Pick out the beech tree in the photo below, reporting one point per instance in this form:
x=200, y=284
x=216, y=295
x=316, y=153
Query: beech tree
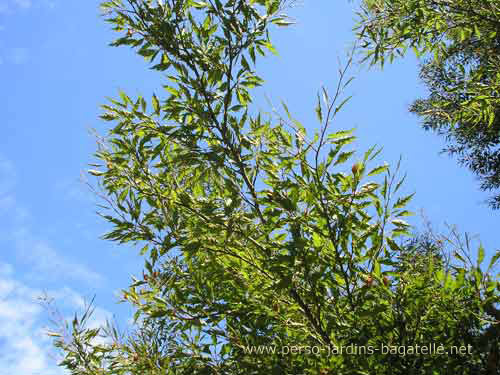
x=458, y=42
x=258, y=236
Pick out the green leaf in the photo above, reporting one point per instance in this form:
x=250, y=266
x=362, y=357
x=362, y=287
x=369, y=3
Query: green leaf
x=343, y=157
x=285, y=107
x=282, y=22
x=158, y=313
x=404, y=213
x=94, y=172
x=340, y=134
x=272, y=6
x=476, y=31
x=156, y=104
x=251, y=51
x=200, y=4
x=402, y=202
x=339, y=107
x=378, y=170
x=144, y=250
x=125, y=99
x=392, y=244
x=400, y=183
x=319, y=113
x=244, y=63
x=376, y=269
x=459, y=257
x=494, y=259
x=480, y=255
x=400, y=223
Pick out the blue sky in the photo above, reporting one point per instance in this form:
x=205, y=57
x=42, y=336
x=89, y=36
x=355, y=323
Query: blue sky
x=55, y=71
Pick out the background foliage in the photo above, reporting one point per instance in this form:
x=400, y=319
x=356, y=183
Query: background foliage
x=458, y=43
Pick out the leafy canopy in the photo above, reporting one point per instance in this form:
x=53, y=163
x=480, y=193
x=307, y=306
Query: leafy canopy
x=458, y=42
x=254, y=232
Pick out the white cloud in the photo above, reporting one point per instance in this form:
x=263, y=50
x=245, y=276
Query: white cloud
x=10, y=6
x=21, y=348
x=43, y=260
x=25, y=348
x=49, y=263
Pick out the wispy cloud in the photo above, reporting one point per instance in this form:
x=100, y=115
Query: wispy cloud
x=21, y=342
x=16, y=56
x=47, y=263
x=4, y=6
x=43, y=260
x=25, y=348
x=23, y=3
x=75, y=190
x=11, y=6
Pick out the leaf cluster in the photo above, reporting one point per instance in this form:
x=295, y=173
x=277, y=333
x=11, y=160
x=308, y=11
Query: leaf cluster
x=255, y=233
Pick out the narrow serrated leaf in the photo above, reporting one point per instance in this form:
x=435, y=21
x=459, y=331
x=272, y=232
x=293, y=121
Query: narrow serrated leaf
x=343, y=157
x=378, y=170
x=94, y=172
x=156, y=104
x=401, y=202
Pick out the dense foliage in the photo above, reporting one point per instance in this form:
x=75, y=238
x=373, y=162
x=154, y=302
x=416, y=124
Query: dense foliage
x=459, y=44
x=256, y=234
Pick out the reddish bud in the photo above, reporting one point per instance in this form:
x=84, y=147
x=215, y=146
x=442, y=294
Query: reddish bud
x=369, y=281
x=355, y=169
x=386, y=281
